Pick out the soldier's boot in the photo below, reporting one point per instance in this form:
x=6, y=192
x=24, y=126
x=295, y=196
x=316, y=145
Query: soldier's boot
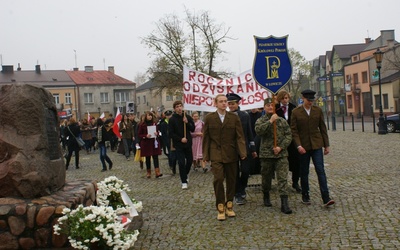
x=221, y=212
x=267, y=201
x=285, y=205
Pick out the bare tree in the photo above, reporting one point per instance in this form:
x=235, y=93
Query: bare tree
x=139, y=78
x=392, y=58
x=194, y=42
x=301, y=73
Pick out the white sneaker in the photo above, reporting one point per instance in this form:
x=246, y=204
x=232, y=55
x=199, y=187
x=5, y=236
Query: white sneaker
x=184, y=186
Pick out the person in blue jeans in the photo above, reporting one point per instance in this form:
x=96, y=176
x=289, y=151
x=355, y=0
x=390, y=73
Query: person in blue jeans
x=102, y=137
x=311, y=137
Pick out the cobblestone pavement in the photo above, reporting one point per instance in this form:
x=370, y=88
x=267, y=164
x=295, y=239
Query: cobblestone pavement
x=363, y=171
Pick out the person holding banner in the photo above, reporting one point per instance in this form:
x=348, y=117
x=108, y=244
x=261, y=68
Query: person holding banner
x=274, y=157
x=284, y=109
x=180, y=126
x=243, y=165
x=310, y=135
x=223, y=144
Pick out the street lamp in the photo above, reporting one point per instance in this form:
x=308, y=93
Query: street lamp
x=378, y=59
x=99, y=111
x=358, y=97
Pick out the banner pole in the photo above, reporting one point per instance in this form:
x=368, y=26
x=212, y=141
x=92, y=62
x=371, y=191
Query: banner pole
x=273, y=106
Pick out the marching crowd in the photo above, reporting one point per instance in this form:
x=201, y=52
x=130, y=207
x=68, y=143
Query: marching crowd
x=271, y=141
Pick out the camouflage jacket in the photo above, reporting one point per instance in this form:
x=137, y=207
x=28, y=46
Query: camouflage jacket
x=265, y=130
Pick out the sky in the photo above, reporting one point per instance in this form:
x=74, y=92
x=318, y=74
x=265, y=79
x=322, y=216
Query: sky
x=63, y=34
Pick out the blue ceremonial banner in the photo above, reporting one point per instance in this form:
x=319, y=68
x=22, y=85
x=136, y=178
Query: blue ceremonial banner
x=272, y=68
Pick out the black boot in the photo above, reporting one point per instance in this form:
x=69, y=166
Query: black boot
x=285, y=205
x=267, y=201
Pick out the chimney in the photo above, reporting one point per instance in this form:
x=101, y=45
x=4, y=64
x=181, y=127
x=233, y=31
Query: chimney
x=19, y=67
x=37, y=69
x=88, y=68
x=111, y=69
x=76, y=69
x=386, y=35
x=367, y=40
x=7, y=69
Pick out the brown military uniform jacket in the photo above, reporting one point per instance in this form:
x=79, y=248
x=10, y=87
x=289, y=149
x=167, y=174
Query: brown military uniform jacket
x=309, y=131
x=223, y=142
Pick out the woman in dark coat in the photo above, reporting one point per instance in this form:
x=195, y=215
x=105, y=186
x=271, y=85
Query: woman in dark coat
x=71, y=131
x=150, y=146
x=102, y=136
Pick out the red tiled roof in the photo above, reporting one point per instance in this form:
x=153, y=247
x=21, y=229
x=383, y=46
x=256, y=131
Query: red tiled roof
x=97, y=77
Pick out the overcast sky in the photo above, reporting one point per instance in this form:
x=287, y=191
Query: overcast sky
x=108, y=32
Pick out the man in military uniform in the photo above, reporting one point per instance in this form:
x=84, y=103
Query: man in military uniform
x=244, y=165
x=310, y=135
x=274, y=158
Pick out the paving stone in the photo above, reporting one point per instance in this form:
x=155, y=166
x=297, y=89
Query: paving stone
x=363, y=171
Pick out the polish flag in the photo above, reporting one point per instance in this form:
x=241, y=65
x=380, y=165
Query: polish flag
x=102, y=115
x=117, y=120
x=88, y=116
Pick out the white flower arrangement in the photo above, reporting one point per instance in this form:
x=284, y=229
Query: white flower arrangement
x=102, y=225
x=109, y=193
x=95, y=225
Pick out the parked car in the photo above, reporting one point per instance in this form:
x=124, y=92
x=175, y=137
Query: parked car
x=392, y=123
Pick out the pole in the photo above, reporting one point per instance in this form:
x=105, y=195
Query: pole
x=333, y=105
x=382, y=130
x=273, y=106
x=184, y=125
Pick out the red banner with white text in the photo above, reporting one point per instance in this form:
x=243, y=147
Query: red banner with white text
x=199, y=90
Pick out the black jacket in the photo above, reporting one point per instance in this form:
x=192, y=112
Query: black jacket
x=247, y=130
x=176, y=129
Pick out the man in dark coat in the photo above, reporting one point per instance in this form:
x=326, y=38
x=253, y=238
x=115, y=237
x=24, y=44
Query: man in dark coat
x=284, y=109
x=243, y=165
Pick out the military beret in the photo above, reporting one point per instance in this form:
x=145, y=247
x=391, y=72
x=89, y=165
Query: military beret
x=232, y=97
x=309, y=94
x=268, y=100
x=168, y=113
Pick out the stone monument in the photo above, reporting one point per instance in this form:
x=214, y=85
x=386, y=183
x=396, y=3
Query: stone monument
x=31, y=163
x=33, y=190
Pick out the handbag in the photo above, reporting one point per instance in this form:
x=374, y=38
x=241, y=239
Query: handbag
x=138, y=158
x=79, y=140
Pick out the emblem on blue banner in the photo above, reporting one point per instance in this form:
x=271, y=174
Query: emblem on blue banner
x=272, y=68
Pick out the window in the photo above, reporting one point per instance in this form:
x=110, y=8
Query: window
x=355, y=78
x=385, y=101
x=170, y=98
x=364, y=77
x=348, y=79
x=349, y=101
x=179, y=98
x=138, y=99
x=376, y=97
x=88, y=97
x=56, y=98
x=144, y=99
x=68, y=98
x=104, y=98
x=121, y=96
